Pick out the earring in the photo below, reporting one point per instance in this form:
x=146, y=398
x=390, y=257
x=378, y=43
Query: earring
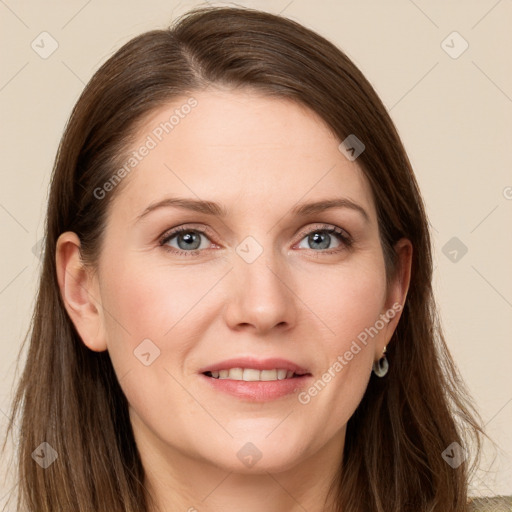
x=380, y=367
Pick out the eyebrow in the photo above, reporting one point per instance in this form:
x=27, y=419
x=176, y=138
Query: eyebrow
x=211, y=208
x=327, y=204
x=196, y=205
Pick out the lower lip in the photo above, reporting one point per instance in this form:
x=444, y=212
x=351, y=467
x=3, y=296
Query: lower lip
x=258, y=391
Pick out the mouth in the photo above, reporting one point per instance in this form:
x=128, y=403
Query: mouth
x=254, y=380
x=254, y=375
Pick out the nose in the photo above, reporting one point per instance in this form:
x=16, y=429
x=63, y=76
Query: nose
x=260, y=296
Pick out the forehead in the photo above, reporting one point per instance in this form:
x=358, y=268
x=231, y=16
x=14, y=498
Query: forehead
x=243, y=147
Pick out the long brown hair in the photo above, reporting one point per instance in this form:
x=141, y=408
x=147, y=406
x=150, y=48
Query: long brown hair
x=69, y=396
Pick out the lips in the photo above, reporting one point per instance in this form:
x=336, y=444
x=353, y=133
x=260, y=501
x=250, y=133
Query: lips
x=252, y=375
x=255, y=364
x=229, y=378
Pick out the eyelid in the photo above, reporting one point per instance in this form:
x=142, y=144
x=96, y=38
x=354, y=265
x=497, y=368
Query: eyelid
x=176, y=230
x=325, y=227
x=169, y=233
x=346, y=238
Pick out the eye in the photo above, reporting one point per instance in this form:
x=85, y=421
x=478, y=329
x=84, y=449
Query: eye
x=329, y=237
x=184, y=240
x=188, y=241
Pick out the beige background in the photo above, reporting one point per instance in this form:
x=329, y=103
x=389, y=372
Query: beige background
x=454, y=116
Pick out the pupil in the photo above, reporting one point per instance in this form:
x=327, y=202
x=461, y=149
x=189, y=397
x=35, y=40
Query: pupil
x=319, y=240
x=191, y=240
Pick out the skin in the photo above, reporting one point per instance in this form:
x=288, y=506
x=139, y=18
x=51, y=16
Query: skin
x=257, y=157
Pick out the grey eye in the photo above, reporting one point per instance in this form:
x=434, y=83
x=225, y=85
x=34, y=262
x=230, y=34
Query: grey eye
x=187, y=240
x=319, y=240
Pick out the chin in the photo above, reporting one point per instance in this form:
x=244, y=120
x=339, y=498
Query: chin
x=257, y=457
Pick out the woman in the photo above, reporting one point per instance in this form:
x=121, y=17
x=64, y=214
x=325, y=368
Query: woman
x=235, y=309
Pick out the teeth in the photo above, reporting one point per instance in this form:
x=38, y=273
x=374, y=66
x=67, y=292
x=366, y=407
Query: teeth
x=236, y=373
x=268, y=374
x=252, y=375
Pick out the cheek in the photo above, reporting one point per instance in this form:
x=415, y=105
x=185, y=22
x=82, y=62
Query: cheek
x=349, y=301
x=157, y=303
x=149, y=301
x=349, y=308
x=152, y=318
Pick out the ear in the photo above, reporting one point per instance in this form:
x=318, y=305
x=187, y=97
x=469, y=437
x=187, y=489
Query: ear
x=80, y=292
x=397, y=291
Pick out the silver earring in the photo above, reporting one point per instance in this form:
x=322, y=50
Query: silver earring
x=380, y=367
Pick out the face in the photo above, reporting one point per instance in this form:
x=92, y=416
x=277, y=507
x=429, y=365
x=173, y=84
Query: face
x=243, y=233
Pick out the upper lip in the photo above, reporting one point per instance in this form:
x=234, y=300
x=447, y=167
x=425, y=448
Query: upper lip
x=257, y=364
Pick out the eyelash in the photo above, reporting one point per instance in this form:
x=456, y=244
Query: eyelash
x=343, y=237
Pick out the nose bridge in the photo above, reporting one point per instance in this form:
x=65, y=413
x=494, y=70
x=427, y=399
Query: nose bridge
x=259, y=293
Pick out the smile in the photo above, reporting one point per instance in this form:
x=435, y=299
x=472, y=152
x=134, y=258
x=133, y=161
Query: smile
x=252, y=375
